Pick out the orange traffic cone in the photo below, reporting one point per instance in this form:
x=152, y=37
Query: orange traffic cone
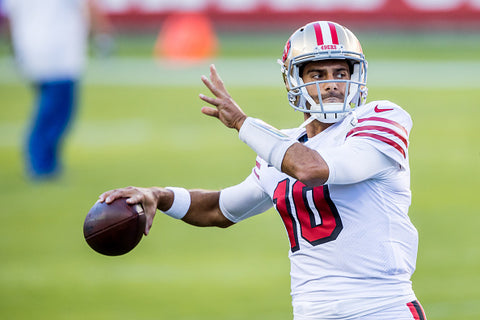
x=186, y=37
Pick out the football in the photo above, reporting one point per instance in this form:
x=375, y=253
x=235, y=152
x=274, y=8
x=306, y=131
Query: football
x=114, y=229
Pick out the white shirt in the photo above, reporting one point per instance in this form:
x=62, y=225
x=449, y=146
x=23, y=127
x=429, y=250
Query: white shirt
x=49, y=36
x=350, y=238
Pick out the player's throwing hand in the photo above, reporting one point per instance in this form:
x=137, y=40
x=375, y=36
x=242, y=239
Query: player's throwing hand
x=150, y=198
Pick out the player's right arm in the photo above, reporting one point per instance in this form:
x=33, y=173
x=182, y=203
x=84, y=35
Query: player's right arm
x=203, y=211
x=198, y=207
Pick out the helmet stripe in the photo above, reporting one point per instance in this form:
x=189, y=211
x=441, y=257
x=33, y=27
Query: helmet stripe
x=326, y=32
x=333, y=32
x=318, y=33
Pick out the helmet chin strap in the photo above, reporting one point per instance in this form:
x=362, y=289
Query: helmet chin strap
x=312, y=118
x=306, y=122
x=318, y=116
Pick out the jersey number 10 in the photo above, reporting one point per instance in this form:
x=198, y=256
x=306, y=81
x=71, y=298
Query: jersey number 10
x=309, y=209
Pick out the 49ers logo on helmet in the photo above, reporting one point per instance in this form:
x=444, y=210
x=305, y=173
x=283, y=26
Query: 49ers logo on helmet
x=331, y=47
x=286, y=50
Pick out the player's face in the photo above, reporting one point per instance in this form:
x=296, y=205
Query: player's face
x=332, y=92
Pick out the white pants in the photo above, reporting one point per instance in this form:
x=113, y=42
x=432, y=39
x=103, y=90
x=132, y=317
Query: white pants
x=353, y=310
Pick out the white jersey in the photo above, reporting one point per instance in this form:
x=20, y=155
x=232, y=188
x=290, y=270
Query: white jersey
x=49, y=36
x=348, y=239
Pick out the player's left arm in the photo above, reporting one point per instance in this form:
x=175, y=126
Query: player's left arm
x=224, y=107
x=379, y=142
x=284, y=153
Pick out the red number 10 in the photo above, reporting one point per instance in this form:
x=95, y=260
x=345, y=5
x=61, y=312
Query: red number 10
x=315, y=212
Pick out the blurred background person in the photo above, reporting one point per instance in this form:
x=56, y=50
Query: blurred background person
x=50, y=42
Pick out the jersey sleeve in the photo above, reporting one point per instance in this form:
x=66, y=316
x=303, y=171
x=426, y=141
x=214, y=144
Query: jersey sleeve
x=385, y=126
x=244, y=200
x=355, y=162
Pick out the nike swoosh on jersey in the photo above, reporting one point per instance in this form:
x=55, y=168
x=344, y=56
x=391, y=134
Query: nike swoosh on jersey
x=378, y=110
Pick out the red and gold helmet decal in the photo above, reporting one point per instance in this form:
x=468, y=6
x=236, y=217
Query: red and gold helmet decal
x=286, y=50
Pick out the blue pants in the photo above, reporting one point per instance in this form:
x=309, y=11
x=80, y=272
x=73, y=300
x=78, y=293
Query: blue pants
x=55, y=103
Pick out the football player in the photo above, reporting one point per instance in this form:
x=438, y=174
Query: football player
x=50, y=39
x=340, y=182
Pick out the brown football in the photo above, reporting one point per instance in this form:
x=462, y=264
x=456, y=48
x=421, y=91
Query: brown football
x=114, y=229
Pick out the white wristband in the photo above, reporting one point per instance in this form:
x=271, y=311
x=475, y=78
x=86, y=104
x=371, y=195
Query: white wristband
x=268, y=142
x=181, y=203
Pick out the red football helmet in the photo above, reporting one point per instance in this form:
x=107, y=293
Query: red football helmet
x=324, y=40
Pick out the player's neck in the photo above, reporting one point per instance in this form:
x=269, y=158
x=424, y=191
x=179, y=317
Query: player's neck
x=315, y=127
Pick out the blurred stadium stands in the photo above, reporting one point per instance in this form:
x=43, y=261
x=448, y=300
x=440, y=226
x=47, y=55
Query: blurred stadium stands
x=271, y=15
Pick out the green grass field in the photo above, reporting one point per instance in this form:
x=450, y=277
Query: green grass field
x=141, y=125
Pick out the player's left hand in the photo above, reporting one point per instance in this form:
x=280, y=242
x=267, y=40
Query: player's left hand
x=225, y=108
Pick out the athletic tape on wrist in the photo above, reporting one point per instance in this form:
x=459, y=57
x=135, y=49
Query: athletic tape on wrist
x=269, y=143
x=181, y=203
